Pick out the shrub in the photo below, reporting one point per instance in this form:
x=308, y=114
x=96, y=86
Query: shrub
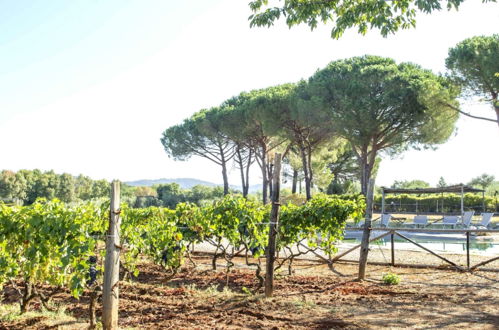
x=391, y=279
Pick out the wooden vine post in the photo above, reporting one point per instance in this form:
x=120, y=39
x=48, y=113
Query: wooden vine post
x=110, y=297
x=364, y=249
x=274, y=219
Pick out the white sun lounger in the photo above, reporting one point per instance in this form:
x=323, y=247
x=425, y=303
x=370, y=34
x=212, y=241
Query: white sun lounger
x=486, y=218
x=385, y=219
x=467, y=217
x=419, y=220
x=450, y=220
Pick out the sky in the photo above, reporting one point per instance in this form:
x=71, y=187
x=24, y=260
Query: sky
x=89, y=86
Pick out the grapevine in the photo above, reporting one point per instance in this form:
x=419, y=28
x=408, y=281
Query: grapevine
x=51, y=243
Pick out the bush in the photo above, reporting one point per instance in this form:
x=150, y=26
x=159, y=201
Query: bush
x=391, y=279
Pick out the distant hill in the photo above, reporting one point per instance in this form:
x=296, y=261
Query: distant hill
x=253, y=188
x=188, y=183
x=184, y=183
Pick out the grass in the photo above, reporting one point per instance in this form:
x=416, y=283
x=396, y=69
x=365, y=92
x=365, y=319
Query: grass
x=302, y=304
x=212, y=291
x=11, y=313
x=57, y=320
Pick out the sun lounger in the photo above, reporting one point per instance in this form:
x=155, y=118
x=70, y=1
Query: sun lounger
x=467, y=217
x=450, y=220
x=486, y=218
x=385, y=219
x=419, y=220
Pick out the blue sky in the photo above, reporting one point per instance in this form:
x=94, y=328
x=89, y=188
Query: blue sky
x=50, y=49
x=88, y=86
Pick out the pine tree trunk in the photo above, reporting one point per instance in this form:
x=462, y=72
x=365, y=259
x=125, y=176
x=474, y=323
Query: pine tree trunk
x=248, y=165
x=224, y=170
x=495, y=102
x=264, y=178
x=310, y=171
x=306, y=173
x=269, y=178
x=241, y=168
x=295, y=181
x=366, y=169
x=225, y=178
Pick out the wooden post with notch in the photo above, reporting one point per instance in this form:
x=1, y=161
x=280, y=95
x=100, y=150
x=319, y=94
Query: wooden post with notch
x=364, y=249
x=110, y=297
x=274, y=219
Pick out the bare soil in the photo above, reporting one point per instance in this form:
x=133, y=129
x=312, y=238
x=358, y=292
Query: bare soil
x=315, y=297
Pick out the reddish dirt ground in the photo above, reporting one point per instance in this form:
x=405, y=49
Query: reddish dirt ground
x=313, y=298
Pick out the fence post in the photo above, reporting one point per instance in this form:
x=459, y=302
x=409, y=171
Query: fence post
x=442, y=206
x=393, y=248
x=468, y=250
x=274, y=219
x=483, y=202
x=462, y=199
x=383, y=201
x=110, y=297
x=364, y=250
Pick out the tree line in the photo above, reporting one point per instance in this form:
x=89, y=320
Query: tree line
x=25, y=186
x=349, y=113
x=171, y=194
x=332, y=129
x=340, y=121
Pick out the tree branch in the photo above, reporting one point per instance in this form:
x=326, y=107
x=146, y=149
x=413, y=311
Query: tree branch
x=470, y=115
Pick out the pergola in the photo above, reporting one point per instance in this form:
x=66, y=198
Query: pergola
x=458, y=189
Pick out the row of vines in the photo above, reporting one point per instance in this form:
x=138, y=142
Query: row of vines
x=50, y=244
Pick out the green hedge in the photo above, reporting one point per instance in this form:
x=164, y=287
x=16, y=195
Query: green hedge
x=446, y=203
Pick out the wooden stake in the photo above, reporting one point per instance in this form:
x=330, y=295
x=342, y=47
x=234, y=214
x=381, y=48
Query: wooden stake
x=274, y=219
x=110, y=297
x=364, y=250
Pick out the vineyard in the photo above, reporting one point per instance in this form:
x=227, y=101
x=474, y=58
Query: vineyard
x=51, y=243
x=52, y=265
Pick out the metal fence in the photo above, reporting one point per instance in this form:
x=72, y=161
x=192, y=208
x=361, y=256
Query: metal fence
x=404, y=233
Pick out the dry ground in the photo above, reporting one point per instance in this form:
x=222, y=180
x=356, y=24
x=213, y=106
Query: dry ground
x=313, y=298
